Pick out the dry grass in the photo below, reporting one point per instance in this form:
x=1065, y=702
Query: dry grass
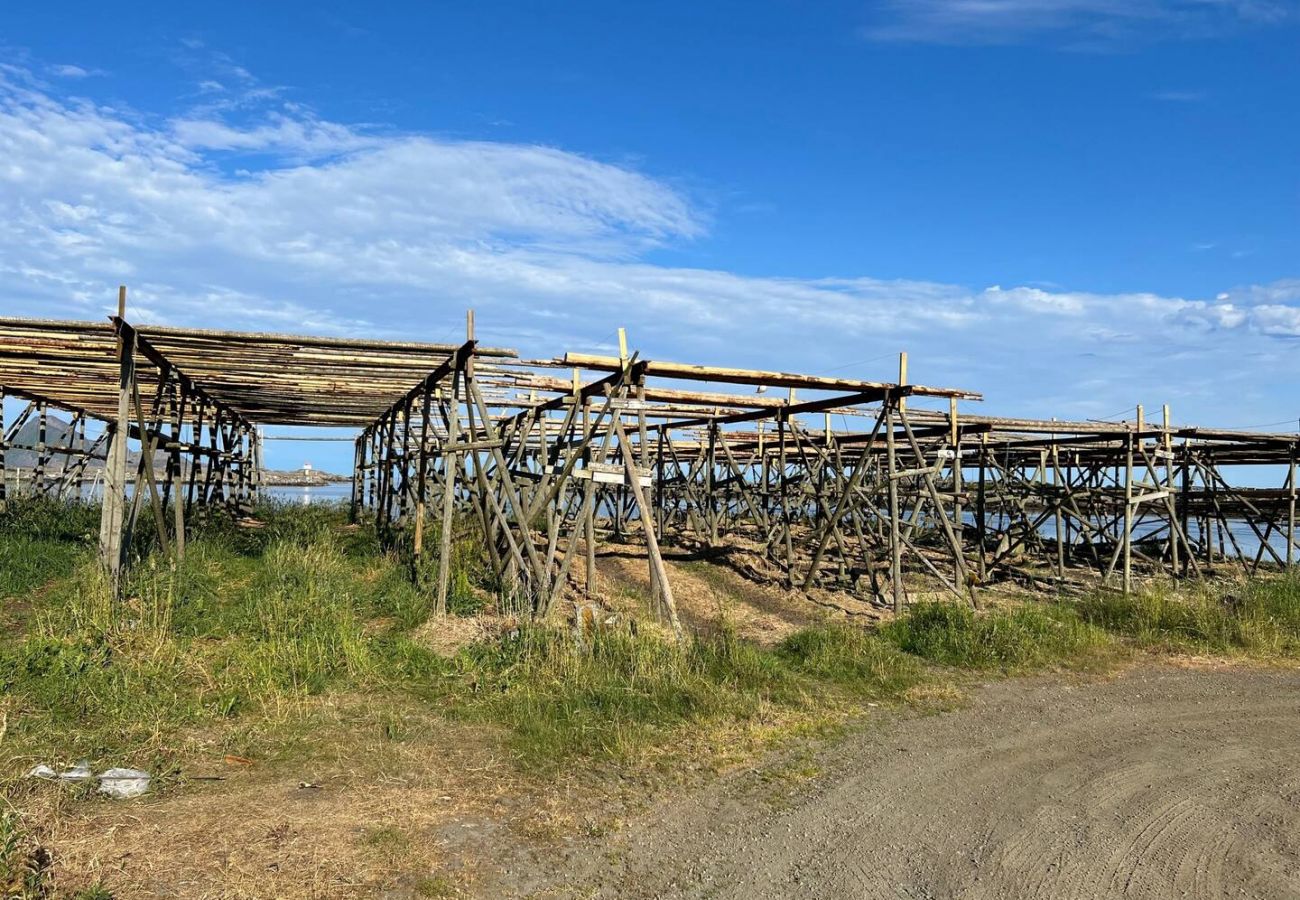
x=717, y=589
x=368, y=808
x=379, y=768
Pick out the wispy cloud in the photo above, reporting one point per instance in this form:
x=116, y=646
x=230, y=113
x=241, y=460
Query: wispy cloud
x=69, y=71
x=1177, y=96
x=1075, y=23
x=269, y=217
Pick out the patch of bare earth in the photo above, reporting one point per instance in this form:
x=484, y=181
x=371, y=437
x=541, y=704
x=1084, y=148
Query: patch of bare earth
x=1161, y=782
x=729, y=586
x=377, y=802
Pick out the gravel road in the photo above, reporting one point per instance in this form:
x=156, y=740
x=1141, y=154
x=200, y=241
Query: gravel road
x=1161, y=782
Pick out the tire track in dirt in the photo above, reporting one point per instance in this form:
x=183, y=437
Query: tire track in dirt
x=1162, y=782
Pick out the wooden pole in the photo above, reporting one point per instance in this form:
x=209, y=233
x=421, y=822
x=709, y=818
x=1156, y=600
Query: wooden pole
x=981, y=508
x=589, y=504
x=710, y=468
x=450, y=463
x=1057, y=503
x=178, y=504
x=358, y=467
x=652, y=542
x=1290, y=515
x=902, y=378
x=422, y=475
x=259, y=462
x=4, y=449
x=112, y=550
x=786, y=521
x=1167, y=444
x=148, y=447
x=958, y=486
x=895, y=540
x=42, y=426
x=1129, y=442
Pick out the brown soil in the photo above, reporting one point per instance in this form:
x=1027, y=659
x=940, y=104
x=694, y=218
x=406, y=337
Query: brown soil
x=1163, y=782
x=370, y=810
x=727, y=586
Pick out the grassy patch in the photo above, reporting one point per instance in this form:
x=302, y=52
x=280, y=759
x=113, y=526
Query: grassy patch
x=1258, y=618
x=256, y=621
x=249, y=622
x=1017, y=639
x=860, y=661
x=617, y=691
x=39, y=541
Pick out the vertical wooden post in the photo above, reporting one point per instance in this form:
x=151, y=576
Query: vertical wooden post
x=710, y=466
x=648, y=497
x=175, y=466
x=4, y=449
x=660, y=489
x=895, y=540
x=42, y=428
x=1185, y=495
x=112, y=550
x=421, y=477
x=1167, y=443
x=902, y=378
x=981, y=509
x=958, y=485
x=358, y=465
x=1290, y=515
x=373, y=500
x=1211, y=523
x=652, y=542
x=785, y=496
x=589, y=502
x=196, y=440
x=450, y=464
x=1059, y=525
x=259, y=462
x=404, y=491
x=1130, y=439
x=1057, y=492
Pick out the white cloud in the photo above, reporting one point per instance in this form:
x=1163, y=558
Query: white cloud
x=1078, y=22
x=279, y=220
x=67, y=71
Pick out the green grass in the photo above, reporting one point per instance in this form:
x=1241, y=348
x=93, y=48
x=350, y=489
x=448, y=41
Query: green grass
x=1257, y=618
x=253, y=620
x=249, y=620
x=256, y=621
x=41, y=539
x=616, y=691
x=1012, y=640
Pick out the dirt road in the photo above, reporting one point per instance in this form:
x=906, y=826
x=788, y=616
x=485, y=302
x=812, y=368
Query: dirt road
x=1158, y=783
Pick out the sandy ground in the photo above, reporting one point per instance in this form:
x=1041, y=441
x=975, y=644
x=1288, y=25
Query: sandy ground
x=1163, y=782
x=713, y=590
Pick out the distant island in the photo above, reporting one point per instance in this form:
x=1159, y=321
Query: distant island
x=301, y=478
x=21, y=459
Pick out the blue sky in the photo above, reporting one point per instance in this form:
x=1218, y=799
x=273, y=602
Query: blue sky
x=1070, y=205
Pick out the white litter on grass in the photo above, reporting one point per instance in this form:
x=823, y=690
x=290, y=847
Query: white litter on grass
x=120, y=784
x=123, y=784
x=79, y=772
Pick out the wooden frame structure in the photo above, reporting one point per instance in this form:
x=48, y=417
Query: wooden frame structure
x=542, y=477
x=838, y=484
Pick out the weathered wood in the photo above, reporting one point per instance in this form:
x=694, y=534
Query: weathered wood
x=112, y=550
x=895, y=539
